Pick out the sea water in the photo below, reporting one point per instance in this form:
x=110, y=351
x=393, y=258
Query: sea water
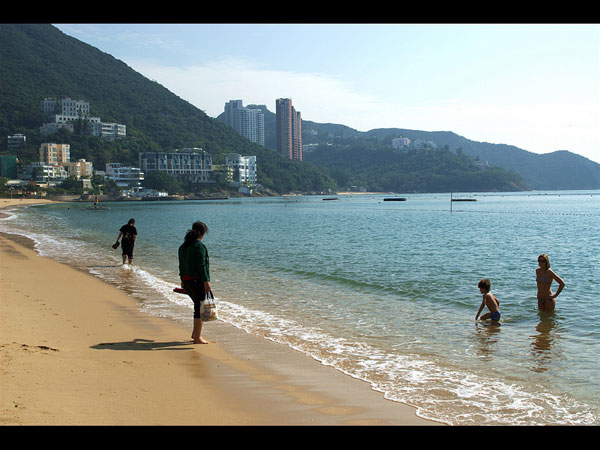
x=383, y=291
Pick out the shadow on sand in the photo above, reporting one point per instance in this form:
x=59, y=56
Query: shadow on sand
x=144, y=344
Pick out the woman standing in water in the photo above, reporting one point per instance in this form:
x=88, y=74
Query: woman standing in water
x=195, y=274
x=544, y=276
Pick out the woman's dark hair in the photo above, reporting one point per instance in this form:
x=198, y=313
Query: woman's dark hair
x=198, y=229
x=200, y=226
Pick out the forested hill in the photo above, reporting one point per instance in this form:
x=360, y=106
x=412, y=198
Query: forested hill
x=555, y=171
x=39, y=61
x=361, y=160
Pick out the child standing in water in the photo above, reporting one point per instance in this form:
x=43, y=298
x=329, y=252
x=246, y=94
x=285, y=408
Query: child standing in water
x=489, y=300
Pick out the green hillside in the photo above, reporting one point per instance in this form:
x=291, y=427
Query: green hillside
x=557, y=170
x=363, y=160
x=552, y=171
x=38, y=61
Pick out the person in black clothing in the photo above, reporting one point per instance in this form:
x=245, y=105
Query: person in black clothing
x=129, y=233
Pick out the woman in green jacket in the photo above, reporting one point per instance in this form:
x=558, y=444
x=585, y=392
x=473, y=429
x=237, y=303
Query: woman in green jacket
x=194, y=273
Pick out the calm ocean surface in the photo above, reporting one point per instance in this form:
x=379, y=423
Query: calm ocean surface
x=383, y=291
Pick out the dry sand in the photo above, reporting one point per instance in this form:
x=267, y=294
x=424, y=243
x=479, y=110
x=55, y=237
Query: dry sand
x=75, y=350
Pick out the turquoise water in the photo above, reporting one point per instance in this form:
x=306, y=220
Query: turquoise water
x=383, y=291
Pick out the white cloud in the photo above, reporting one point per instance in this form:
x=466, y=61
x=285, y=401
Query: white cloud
x=536, y=127
x=319, y=97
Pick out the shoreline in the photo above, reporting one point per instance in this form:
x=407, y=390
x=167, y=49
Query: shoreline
x=76, y=350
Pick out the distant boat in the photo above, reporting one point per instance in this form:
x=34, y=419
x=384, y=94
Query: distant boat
x=332, y=198
x=96, y=206
x=394, y=199
x=464, y=199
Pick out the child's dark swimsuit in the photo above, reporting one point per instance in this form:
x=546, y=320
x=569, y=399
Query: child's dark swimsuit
x=496, y=314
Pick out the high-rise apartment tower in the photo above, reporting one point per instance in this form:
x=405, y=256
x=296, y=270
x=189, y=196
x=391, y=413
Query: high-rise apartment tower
x=250, y=123
x=288, y=129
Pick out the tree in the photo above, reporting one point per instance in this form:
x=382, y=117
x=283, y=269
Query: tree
x=71, y=185
x=162, y=181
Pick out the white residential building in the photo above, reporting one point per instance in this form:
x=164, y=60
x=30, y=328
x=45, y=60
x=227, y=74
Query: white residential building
x=52, y=127
x=74, y=108
x=46, y=172
x=189, y=164
x=55, y=162
x=49, y=107
x=307, y=148
x=124, y=175
x=66, y=112
x=400, y=142
x=113, y=130
x=249, y=123
x=16, y=141
x=244, y=168
x=65, y=107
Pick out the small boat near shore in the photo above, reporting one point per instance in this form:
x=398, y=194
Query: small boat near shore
x=96, y=206
x=394, y=199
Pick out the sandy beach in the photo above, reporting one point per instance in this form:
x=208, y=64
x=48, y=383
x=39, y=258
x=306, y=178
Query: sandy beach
x=75, y=350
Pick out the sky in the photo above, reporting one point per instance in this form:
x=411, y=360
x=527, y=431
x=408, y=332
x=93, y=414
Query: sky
x=534, y=86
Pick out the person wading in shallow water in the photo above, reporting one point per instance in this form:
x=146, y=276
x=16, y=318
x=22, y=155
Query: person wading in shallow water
x=543, y=277
x=194, y=272
x=129, y=233
x=488, y=300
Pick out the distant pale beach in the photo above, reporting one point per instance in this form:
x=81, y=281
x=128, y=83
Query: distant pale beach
x=75, y=350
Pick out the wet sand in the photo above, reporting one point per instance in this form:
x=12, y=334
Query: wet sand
x=75, y=350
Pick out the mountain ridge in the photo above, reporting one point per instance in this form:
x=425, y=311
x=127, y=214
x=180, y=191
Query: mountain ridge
x=41, y=61
x=539, y=171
